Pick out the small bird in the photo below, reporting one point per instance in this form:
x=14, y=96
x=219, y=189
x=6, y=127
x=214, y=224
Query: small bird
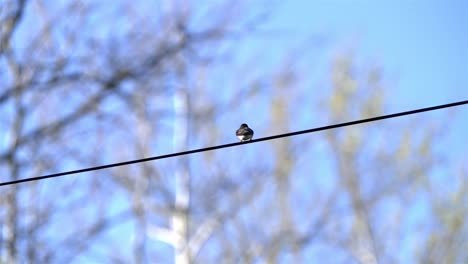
x=244, y=133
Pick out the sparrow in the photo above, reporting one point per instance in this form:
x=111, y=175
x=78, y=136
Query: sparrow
x=244, y=133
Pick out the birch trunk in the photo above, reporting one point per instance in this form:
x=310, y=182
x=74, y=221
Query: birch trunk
x=182, y=178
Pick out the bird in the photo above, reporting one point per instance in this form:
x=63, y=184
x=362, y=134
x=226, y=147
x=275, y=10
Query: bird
x=244, y=133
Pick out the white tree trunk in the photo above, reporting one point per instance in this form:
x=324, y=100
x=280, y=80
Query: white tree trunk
x=182, y=178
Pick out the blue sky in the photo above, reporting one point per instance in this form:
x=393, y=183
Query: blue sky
x=422, y=47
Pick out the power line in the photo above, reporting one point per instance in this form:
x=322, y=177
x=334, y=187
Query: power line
x=237, y=143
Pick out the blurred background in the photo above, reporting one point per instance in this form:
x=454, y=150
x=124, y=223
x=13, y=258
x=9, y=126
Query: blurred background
x=85, y=83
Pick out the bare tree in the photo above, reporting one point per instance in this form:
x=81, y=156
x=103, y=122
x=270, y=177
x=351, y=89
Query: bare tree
x=447, y=236
x=72, y=90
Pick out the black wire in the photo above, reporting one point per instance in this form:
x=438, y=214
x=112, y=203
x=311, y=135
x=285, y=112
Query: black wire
x=236, y=144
